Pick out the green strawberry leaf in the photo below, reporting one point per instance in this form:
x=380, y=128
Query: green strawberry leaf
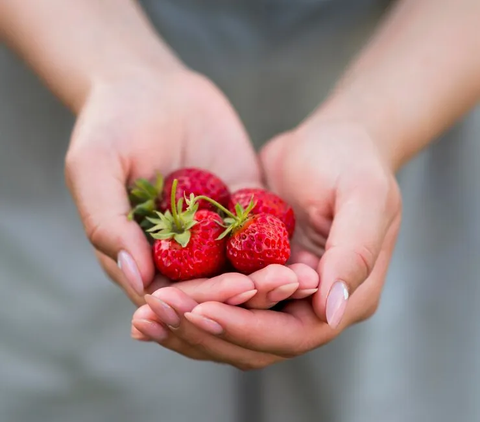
x=183, y=238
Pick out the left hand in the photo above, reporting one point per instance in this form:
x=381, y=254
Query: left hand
x=348, y=207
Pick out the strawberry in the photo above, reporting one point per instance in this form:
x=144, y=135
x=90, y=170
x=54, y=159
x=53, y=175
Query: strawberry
x=254, y=241
x=259, y=241
x=187, y=243
x=266, y=203
x=198, y=182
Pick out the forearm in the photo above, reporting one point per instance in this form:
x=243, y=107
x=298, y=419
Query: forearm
x=71, y=44
x=417, y=76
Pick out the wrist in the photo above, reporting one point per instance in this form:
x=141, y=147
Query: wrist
x=123, y=66
x=375, y=126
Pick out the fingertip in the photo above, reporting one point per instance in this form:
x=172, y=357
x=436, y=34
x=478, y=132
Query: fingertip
x=137, y=244
x=273, y=275
x=171, y=297
x=144, y=312
x=133, y=255
x=308, y=277
x=151, y=330
x=136, y=334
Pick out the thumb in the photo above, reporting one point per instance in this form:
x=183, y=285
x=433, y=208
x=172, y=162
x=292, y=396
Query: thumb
x=97, y=182
x=356, y=237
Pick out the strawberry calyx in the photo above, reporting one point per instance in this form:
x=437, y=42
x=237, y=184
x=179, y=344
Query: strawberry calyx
x=143, y=197
x=175, y=224
x=232, y=222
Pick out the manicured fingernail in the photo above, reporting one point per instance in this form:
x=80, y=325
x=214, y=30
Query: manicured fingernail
x=206, y=324
x=136, y=334
x=282, y=292
x=241, y=298
x=302, y=294
x=151, y=329
x=336, y=303
x=164, y=311
x=129, y=268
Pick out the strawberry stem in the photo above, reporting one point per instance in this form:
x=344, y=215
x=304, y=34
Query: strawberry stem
x=174, y=205
x=219, y=206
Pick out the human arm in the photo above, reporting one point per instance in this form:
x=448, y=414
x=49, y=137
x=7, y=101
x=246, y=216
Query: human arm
x=414, y=79
x=73, y=45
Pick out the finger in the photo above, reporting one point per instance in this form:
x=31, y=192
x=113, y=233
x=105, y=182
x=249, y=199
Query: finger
x=165, y=301
x=97, y=181
x=274, y=283
x=356, y=237
x=138, y=335
x=285, y=334
x=147, y=324
x=231, y=288
x=307, y=278
x=364, y=303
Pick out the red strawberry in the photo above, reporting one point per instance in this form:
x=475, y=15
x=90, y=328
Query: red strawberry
x=187, y=244
x=265, y=203
x=254, y=241
x=198, y=182
x=261, y=240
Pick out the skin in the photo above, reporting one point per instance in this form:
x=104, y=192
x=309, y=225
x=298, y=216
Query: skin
x=410, y=83
x=139, y=111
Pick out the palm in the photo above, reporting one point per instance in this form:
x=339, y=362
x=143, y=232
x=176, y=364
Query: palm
x=147, y=125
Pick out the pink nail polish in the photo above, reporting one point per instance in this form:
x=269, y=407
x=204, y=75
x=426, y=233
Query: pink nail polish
x=164, y=311
x=129, y=268
x=151, y=329
x=206, y=324
x=241, y=298
x=282, y=292
x=336, y=303
x=302, y=294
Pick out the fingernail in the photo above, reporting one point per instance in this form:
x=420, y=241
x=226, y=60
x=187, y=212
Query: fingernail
x=336, y=303
x=136, y=334
x=241, y=298
x=129, y=268
x=164, y=311
x=282, y=292
x=302, y=294
x=206, y=324
x=151, y=329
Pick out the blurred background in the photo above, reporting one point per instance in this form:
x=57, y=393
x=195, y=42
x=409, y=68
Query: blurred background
x=65, y=348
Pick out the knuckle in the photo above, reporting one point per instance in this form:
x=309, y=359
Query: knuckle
x=96, y=232
x=365, y=258
x=74, y=159
x=197, y=342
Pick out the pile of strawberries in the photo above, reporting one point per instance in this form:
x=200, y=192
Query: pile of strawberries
x=200, y=229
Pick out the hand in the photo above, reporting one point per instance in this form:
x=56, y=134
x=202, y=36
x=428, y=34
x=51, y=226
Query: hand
x=135, y=125
x=348, y=207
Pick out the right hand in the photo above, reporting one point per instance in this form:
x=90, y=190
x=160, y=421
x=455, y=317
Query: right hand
x=141, y=123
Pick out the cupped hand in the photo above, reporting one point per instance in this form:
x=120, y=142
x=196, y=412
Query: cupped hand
x=348, y=207
x=139, y=124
